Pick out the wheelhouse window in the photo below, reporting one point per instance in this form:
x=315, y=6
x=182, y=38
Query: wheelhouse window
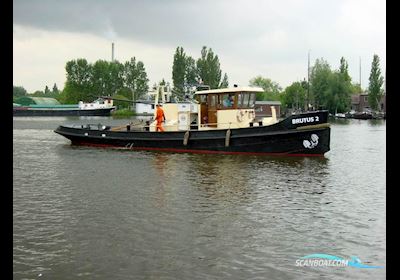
x=227, y=101
x=213, y=100
x=245, y=102
x=202, y=99
x=252, y=100
x=240, y=100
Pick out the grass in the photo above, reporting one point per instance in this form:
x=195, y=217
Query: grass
x=123, y=113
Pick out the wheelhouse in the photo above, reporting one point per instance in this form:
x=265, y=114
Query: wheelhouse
x=219, y=107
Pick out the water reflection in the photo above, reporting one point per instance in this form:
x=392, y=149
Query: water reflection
x=339, y=121
x=160, y=163
x=377, y=122
x=239, y=178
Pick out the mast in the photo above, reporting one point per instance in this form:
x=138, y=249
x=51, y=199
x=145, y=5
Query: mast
x=308, y=81
x=360, y=76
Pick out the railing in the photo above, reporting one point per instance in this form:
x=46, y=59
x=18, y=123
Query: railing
x=140, y=124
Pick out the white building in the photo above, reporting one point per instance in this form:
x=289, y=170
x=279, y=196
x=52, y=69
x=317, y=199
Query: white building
x=147, y=106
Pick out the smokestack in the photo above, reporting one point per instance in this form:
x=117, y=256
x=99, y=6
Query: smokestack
x=112, y=52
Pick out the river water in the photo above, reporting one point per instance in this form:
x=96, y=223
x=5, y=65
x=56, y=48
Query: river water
x=95, y=213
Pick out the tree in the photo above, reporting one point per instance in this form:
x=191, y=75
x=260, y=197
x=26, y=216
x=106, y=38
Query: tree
x=208, y=68
x=19, y=91
x=356, y=88
x=191, y=73
x=331, y=90
x=47, y=91
x=135, y=78
x=178, y=72
x=79, y=80
x=375, y=90
x=55, y=90
x=224, y=83
x=38, y=93
x=142, y=81
x=271, y=88
x=319, y=80
x=344, y=69
x=294, y=96
x=86, y=81
x=115, y=77
x=338, y=94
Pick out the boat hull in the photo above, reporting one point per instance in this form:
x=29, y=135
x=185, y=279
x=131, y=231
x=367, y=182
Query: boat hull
x=363, y=116
x=283, y=138
x=24, y=112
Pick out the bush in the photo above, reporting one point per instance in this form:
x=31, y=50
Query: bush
x=123, y=113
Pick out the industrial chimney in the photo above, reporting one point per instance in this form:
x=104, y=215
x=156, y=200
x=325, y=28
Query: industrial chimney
x=112, y=52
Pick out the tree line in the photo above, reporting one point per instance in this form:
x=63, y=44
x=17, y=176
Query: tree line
x=326, y=89
x=187, y=72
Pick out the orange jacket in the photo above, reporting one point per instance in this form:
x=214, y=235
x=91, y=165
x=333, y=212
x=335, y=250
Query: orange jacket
x=160, y=114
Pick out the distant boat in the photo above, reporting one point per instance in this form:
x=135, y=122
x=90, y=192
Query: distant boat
x=363, y=115
x=99, y=107
x=340, y=115
x=210, y=125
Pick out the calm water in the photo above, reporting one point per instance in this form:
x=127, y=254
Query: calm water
x=92, y=213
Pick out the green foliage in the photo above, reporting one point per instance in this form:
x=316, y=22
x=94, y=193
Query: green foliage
x=208, y=68
x=187, y=72
x=47, y=90
x=135, y=78
x=141, y=80
x=55, y=89
x=122, y=113
x=122, y=104
x=179, y=71
x=225, y=82
x=319, y=80
x=79, y=82
x=19, y=91
x=356, y=89
x=85, y=81
x=375, y=90
x=344, y=69
x=331, y=90
x=271, y=89
x=294, y=96
x=38, y=93
x=191, y=73
x=337, y=98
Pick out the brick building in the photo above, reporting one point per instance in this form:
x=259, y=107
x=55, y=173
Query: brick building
x=263, y=108
x=359, y=103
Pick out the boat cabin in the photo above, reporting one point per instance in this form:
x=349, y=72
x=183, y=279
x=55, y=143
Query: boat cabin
x=99, y=103
x=227, y=108
x=214, y=109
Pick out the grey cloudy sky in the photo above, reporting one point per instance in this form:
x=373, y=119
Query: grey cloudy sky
x=251, y=37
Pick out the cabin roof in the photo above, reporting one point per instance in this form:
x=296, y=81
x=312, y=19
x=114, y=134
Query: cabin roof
x=230, y=90
x=268, y=102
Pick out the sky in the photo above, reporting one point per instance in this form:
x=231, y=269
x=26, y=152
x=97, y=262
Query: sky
x=267, y=38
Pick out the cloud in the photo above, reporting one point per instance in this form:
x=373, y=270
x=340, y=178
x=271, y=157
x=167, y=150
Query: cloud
x=253, y=37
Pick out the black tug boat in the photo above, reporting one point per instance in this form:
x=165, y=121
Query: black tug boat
x=220, y=121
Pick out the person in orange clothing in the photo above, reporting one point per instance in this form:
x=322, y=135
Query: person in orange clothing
x=160, y=117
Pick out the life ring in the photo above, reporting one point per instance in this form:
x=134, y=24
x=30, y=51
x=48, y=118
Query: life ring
x=240, y=115
x=182, y=118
